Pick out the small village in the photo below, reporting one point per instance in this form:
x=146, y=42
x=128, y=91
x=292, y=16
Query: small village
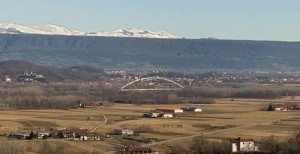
x=81, y=134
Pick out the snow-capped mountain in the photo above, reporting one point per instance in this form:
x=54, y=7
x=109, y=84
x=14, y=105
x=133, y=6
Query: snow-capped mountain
x=134, y=32
x=48, y=29
x=53, y=29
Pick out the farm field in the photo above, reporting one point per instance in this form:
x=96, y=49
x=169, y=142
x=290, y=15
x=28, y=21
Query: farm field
x=222, y=115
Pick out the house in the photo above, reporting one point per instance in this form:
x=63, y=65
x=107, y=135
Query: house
x=43, y=135
x=166, y=115
x=88, y=136
x=7, y=79
x=155, y=114
x=242, y=145
x=278, y=107
x=169, y=109
x=191, y=109
x=123, y=132
x=152, y=114
x=20, y=135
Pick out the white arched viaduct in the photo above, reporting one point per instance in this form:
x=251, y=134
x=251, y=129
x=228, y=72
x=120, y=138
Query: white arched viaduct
x=150, y=78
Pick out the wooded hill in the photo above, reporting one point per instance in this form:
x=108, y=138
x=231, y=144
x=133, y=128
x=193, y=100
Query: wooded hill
x=114, y=52
x=15, y=68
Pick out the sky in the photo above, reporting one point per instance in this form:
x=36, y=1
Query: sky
x=223, y=19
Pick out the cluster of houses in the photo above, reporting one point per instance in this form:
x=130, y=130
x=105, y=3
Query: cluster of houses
x=283, y=107
x=30, y=77
x=169, y=112
x=123, y=132
x=95, y=104
x=64, y=133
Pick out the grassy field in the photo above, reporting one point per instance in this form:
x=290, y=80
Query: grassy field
x=221, y=115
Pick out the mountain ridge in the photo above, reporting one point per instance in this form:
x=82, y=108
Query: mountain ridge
x=149, y=53
x=49, y=29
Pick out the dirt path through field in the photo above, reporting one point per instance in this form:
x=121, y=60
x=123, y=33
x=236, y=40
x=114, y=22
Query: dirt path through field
x=102, y=124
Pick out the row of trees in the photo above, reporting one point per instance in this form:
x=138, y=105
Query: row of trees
x=37, y=96
x=69, y=95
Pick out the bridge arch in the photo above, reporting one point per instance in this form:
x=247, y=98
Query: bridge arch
x=151, y=78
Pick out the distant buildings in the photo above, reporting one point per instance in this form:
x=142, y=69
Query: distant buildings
x=242, y=145
x=95, y=104
x=6, y=79
x=30, y=77
x=20, y=135
x=168, y=112
x=169, y=109
x=283, y=107
x=65, y=133
x=77, y=134
x=123, y=132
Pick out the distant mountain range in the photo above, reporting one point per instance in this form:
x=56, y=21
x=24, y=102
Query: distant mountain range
x=48, y=29
x=150, y=53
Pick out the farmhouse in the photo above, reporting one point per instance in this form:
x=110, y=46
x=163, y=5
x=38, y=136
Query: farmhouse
x=282, y=107
x=123, y=132
x=152, y=114
x=169, y=109
x=20, y=135
x=155, y=114
x=242, y=145
x=7, y=79
x=43, y=134
x=167, y=115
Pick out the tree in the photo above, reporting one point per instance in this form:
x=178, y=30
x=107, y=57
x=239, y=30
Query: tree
x=270, y=144
x=199, y=145
x=32, y=136
x=270, y=108
x=293, y=144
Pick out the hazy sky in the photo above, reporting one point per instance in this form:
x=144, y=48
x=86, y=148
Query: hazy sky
x=224, y=19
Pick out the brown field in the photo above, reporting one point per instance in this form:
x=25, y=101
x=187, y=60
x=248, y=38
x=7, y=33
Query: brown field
x=221, y=115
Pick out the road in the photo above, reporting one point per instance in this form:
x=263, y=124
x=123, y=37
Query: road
x=102, y=124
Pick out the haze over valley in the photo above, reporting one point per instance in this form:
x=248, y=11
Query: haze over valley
x=149, y=77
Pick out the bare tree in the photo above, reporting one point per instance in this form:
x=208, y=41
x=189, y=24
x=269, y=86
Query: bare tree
x=270, y=144
x=199, y=145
